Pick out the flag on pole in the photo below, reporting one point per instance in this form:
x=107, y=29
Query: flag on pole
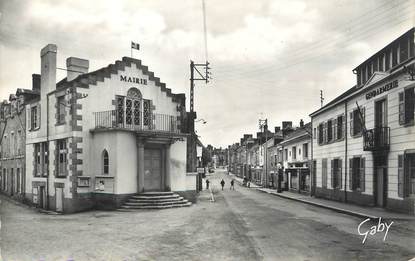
x=135, y=46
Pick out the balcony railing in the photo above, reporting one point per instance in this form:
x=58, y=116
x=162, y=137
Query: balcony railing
x=139, y=121
x=377, y=139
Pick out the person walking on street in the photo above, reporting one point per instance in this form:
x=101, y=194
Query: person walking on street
x=207, y=184
x=222, y=183
x=232, y=184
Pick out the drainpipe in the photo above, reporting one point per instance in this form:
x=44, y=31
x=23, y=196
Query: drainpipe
x=313, y=176
x=47, y=144
x=345, y=151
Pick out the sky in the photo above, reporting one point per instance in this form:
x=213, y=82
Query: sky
x=269, y=58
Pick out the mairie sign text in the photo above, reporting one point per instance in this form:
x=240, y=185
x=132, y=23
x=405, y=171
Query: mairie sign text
x=124, y=78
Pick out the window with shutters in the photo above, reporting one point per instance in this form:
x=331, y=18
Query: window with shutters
x=411, y=174
x=336, y=173
x=339, y=127
x=324, y=173
x=401, y=175
x=406, y=106
x=357, y=174
x=357, y=119
x=329, y=130
x=406, y=175
x=320, y=133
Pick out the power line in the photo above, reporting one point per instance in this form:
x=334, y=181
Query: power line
x=371, y=26
x=273, y=67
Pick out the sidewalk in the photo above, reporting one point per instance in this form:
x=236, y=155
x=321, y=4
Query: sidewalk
x=349, y=209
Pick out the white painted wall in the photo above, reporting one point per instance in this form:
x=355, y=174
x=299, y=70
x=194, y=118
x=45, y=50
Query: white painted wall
x=178, y=166
x=401, y=138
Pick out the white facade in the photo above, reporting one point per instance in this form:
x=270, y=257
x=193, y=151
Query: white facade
x=102, y=136
x=372, y=164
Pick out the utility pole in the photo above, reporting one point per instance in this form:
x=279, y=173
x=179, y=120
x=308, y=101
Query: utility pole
x=198, y=72
x=263, y=126
x=321, y=98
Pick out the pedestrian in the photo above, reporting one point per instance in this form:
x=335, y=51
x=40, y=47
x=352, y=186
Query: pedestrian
x=207, y=184
x=222, y=183
x=249, y=184
x=232, y=184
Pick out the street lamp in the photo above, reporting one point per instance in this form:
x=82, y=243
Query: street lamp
x=263, y=126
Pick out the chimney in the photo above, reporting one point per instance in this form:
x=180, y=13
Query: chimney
x=36, y=82
x=287, y=124
x=301, y=123
x=48, y=69
x=277, y=129
x=76, y=66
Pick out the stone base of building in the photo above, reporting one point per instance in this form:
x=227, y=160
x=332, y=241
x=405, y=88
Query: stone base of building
x=104, y=201
x=406, y=205
x=80, y=203
x=190, y=195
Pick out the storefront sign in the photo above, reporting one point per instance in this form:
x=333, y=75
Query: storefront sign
x=124, y=78
x=382, y=89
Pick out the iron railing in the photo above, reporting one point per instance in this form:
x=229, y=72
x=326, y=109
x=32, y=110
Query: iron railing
x=377, y=139
x=137, y=121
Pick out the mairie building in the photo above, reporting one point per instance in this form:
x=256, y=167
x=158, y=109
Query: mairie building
x=94, y=139
x=363, y=145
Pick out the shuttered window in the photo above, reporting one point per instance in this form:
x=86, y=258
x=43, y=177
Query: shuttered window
x=336, y=173
x=357, y=174
x=324, y=173
x=362, y=174
x=401, y=176
x=407, y=106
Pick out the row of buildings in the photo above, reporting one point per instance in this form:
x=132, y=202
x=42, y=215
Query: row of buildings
x=358, y=148
x=278, y=159
x=93, y=139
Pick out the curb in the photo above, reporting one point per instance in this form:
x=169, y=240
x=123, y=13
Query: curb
x=339, y=210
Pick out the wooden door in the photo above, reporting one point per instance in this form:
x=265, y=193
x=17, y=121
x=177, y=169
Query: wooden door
x=59, y=199
x=152, y=170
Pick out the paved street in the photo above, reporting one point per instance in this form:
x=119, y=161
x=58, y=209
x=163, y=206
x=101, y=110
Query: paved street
x=244, y=224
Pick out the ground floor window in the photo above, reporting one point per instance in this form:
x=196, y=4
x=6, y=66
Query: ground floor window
x=336, y=173
x=324, y=173
x=406, y=175
x=357, y=174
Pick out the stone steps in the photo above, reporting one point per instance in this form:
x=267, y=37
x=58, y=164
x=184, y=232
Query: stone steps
x=154, y=200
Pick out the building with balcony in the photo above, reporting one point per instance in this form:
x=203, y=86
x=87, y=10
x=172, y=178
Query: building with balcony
x=364, y=140
x=94, y=139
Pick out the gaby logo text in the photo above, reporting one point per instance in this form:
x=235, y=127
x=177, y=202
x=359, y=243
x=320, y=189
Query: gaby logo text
x=381, y=227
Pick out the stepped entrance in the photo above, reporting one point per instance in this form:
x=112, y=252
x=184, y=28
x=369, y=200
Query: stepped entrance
x=154, y=200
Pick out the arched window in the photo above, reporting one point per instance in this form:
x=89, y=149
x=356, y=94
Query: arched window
x=134, y=93
x=105, y=162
